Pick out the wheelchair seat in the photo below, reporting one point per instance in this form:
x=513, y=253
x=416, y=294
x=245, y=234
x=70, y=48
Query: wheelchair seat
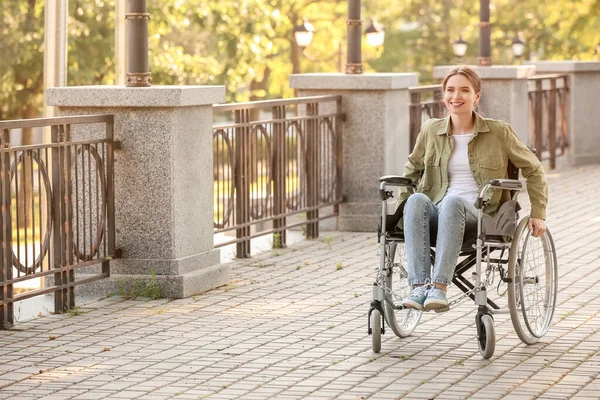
x=498, y=228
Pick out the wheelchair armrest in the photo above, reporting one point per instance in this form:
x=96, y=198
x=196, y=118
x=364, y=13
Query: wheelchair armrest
x=509, y=184
x=505, y=184
x=396, y=180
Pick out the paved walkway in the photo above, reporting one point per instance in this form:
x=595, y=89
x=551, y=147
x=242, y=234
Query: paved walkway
x=292, y=324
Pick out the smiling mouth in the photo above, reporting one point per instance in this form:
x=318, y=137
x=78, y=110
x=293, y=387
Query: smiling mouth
x=456, y=104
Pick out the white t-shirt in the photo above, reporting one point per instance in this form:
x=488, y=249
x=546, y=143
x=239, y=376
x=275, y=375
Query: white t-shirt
x=460, y=179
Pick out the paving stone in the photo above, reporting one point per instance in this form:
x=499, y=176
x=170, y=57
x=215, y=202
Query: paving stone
x=280, y=332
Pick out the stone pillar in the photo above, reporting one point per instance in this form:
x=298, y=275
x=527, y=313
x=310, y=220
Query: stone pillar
x=583, y=118
x=163, y=182
x=504, y=93
x=375, y=136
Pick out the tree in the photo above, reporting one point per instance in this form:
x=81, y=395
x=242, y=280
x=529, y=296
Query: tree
x=248, y=45
x=21, y=64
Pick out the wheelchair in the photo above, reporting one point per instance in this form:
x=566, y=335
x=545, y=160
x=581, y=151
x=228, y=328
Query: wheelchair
x=502, y=247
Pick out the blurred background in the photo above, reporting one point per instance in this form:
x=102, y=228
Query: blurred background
x=250, y=47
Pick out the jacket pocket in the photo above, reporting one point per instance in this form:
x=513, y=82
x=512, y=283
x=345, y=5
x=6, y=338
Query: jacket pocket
x=432, y=176
x=492, y=167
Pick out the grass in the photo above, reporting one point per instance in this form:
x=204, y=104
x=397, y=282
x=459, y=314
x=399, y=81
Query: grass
x=73, y=312
x=328, y=240
x=460, y=362
x=567, y=314
x=133, y=288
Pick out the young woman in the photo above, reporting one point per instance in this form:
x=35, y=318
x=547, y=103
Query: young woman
x=453, y=158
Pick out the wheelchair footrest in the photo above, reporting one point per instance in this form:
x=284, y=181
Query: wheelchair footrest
x=376, y=305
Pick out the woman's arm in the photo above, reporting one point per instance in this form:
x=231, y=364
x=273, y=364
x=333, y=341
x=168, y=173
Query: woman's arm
x=532, y=171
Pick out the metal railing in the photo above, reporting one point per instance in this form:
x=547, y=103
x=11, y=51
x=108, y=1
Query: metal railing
x=275, y=167
x=425, y=102
x=548, y=104
x=57, y=212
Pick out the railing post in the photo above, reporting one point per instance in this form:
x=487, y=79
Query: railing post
x=242, y=184
x=564, y=115
x=552, y=123
x=339, y=154
x=57, y=250
x=539, y=119
x=313, y=165
x=416, y=111
x=279, y=176
x=69, y=301
x=6, y=305
x=110, y=195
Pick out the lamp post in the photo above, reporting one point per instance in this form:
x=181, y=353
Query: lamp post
x=353, y=44
x=303, y=33
x=459, y=46
x=374, y=33
x=518, y=47
x=138, y=73
x=484, y=57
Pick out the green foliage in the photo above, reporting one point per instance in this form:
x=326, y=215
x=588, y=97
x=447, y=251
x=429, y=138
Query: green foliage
x=74, y=312
x=21, y=64
x=91, y=42
x=277, y=241
x=133, y=288
x=248, y=45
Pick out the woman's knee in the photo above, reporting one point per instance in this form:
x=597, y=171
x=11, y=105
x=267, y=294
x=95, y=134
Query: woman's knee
x=417, y=206
x=453, y=203
x=418, y=200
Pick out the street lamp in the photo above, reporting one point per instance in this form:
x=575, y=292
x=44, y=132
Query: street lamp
x=303, y=33
x=518, y=46
x=460, y=47
x=375, y=34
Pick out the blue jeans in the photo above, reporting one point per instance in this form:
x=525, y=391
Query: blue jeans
x=448, y=218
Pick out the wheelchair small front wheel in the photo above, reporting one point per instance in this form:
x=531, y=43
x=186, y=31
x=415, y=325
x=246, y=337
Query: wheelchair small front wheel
x=533, y=283
x=486, y=335
x=376, y=330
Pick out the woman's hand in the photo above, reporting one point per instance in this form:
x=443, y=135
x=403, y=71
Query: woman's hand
x=537, y=226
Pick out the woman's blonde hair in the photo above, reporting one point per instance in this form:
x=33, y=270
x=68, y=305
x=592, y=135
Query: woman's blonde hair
x=468, y=73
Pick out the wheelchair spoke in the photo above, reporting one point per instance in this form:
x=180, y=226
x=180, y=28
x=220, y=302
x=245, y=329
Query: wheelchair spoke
x=532, y=294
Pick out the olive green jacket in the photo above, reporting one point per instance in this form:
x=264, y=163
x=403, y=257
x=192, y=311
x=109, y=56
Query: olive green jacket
x=493, y=145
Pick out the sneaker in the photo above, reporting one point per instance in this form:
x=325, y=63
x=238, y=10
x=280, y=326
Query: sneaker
x=417, y=297
x=436, y=301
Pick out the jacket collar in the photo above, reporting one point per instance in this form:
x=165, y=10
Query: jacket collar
x=480, y=125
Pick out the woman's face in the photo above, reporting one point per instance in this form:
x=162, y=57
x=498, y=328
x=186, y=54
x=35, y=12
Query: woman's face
x=460, y=97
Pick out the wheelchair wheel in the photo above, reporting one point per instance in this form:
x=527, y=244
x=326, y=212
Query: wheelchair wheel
x=486, y=336
x=376, y=326
x=533, y=283
x=402, y=322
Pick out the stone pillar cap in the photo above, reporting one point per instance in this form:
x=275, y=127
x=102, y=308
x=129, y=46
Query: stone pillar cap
x=493, y=72
x=544, y=67
x=122, y=96
x=339, y=81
